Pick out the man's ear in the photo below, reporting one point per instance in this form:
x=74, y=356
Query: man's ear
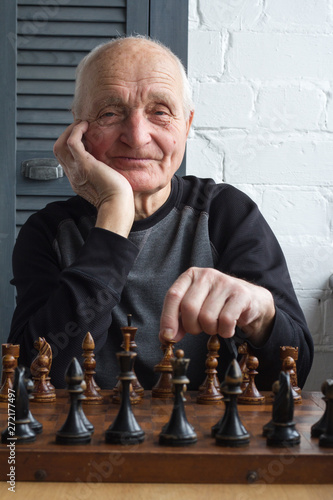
x=189, y=122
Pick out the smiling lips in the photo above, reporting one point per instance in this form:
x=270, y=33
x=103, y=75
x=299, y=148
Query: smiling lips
x=129, y=161
x=131, y=158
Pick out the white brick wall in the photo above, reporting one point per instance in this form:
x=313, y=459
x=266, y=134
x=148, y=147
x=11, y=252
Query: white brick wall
x=262, y=79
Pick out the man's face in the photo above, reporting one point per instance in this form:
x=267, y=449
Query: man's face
x=134, y=104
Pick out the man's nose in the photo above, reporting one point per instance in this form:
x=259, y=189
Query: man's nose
x=136, y=129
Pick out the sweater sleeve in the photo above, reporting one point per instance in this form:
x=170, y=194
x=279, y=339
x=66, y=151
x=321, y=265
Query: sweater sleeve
x=63, y=304
x=247, y=248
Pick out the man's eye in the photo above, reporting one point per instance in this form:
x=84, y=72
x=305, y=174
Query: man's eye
x=106, y=118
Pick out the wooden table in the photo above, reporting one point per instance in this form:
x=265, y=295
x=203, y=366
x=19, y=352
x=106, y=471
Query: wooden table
x=144, y=491
x=200, y=469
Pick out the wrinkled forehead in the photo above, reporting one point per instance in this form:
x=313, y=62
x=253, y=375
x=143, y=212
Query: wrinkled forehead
x=131, y=63
x=129, y=50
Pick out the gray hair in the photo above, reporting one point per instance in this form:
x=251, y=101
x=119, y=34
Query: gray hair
x=188, y=105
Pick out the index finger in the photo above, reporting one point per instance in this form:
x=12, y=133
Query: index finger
x=69, y=140
x=170, y=322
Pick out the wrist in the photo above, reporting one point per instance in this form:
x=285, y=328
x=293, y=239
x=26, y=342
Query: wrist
x=116, y=214
x=259, y=330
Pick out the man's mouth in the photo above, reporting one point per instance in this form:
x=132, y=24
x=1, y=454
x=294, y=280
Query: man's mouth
x=132, y=158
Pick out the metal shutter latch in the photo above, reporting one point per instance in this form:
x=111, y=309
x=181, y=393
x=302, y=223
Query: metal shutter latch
x=41, y=169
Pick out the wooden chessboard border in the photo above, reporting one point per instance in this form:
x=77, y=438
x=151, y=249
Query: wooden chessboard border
x=204, y=462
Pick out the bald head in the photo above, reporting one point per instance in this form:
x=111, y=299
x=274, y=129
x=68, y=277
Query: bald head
x=126, y=49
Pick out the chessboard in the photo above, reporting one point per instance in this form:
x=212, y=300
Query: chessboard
x=149, y=462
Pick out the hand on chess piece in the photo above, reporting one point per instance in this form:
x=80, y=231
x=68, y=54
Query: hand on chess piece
x=204, y=299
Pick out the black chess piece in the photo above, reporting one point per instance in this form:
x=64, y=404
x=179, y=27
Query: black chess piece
x=267, y=428
x=220, y=423
x=36, y=426
x=125, y=429
x=89, y=426
x=326, y=439
x=136, y=390
x=320, y=427
x=231, y=431
x=226, y=401
x=283, y=431
x=20, y=430
x=178, y=431
x=74, y=431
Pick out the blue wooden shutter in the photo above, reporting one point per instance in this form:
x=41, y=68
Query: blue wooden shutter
x=41, y=43
x=52, y=39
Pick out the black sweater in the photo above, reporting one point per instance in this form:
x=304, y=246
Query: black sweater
x=72, y=278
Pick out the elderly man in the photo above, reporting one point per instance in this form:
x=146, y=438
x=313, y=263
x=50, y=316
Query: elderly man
x=184, y=256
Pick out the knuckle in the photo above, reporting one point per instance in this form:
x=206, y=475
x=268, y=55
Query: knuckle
x=208, y=323
x=70, y=142
x=174, y=293
x=188, y=309
x=227, y=320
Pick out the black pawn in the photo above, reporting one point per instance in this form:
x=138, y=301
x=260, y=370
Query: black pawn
x=36, y=426
x=74, y=431
x=283, y=431
x=231, y=431
x=20, y=430
x=320, y=427
x=178, y=431
x=125, y=429
x=326, y=439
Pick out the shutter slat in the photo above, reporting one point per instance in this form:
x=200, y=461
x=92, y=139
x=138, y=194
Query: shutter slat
x=40, y=73
x=58, y=58
x=39, y=143
x=60, y=4
x=40, y=87
x=44, y=116
x=41, y=16
x=67, y=43
x=39, y=131
x=71, y=29
x=57, y=102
